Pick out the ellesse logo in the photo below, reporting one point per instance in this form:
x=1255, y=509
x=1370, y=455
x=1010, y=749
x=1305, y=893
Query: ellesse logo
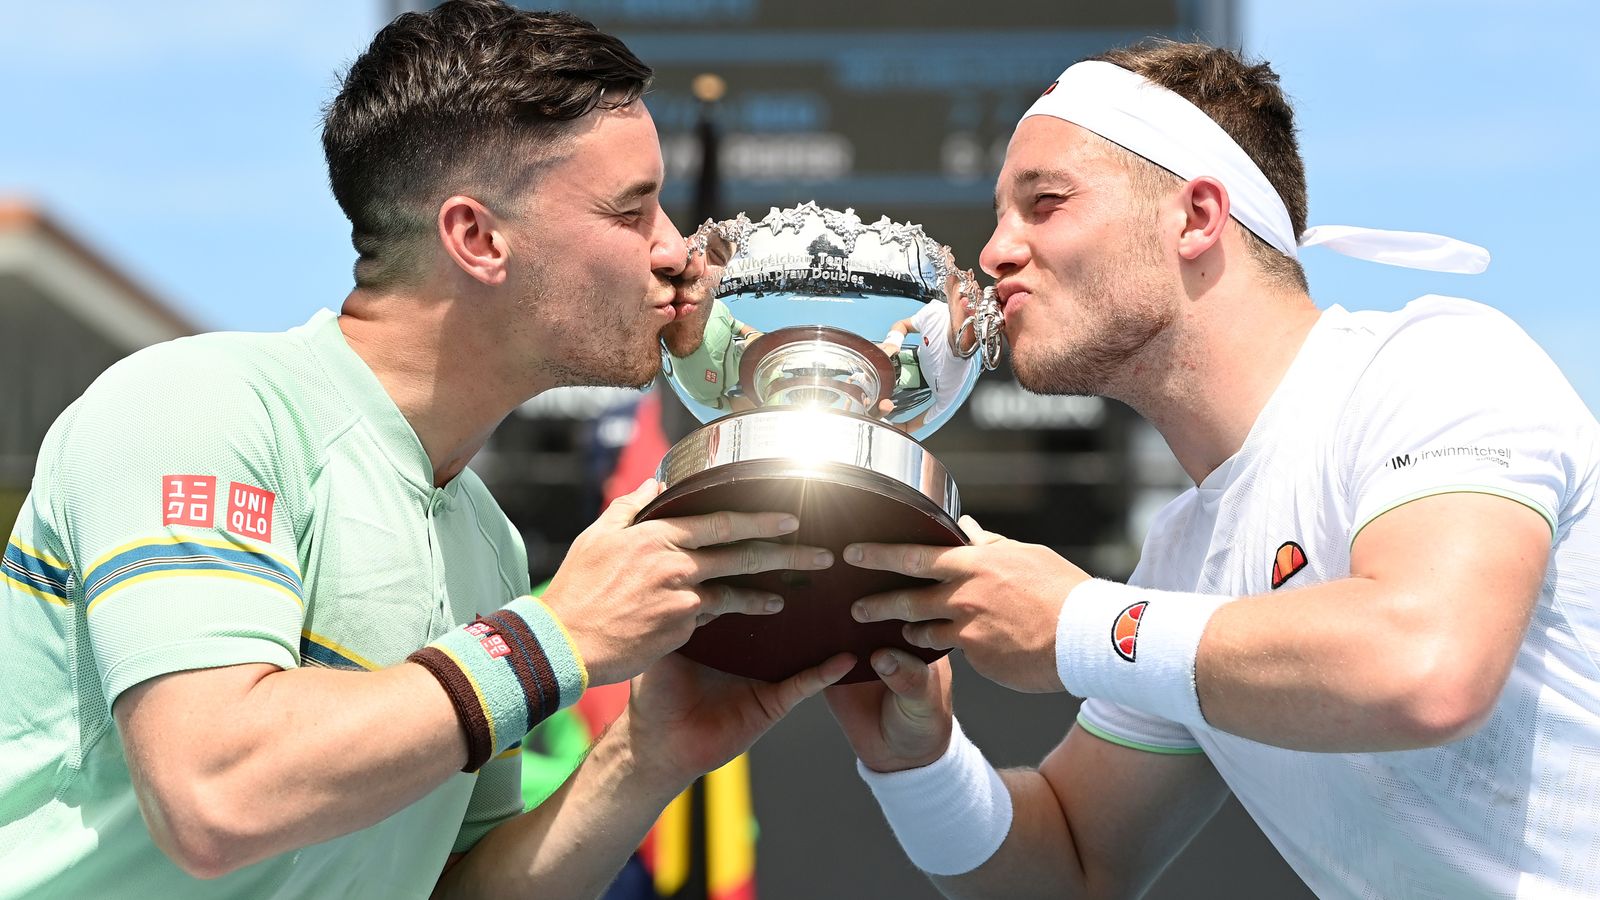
x=1289, y=560
x=1125, y=633
x=1050, y=88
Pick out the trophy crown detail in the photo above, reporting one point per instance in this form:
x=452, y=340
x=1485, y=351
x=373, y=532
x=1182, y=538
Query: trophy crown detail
x=812, y=307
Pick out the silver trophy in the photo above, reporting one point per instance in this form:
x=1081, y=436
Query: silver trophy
x=821, y=351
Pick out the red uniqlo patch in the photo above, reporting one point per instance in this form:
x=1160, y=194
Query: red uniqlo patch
x=250, y=511
x=188, y=500
x=495, y=646
x=480, y=628
x=711, y=376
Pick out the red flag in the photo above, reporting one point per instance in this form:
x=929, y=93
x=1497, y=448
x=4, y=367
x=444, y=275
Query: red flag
x=642, y=453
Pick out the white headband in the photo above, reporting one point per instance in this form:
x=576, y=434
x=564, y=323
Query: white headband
x=1173, y=133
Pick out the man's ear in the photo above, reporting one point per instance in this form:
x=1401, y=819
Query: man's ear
x=1204, y=204
x=471, y=236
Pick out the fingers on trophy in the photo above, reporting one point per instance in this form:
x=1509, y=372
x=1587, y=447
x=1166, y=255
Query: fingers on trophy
x=820, y=350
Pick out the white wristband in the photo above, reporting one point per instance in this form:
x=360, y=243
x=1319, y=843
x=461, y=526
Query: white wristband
x=950, y=815
x=1135, y=646
x=896, y=337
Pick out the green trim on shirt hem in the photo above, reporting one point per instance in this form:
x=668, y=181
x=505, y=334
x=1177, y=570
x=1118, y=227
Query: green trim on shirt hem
x=1105, y=735
x=1458, y=489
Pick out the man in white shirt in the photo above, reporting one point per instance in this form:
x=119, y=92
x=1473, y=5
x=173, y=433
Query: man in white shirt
x=1375, y=617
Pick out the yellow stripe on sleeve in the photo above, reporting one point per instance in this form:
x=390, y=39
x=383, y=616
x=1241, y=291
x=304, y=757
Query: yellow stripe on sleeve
x=207, y=573
x=342, y=650
x=46, y=558
x=27, y=588
x=175, y=539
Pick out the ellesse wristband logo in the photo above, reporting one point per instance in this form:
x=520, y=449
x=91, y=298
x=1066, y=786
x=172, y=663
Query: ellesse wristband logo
x=1125, y=633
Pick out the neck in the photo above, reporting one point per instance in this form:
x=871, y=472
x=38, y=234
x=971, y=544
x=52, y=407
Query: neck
x=1204, y=382
x=439, y=365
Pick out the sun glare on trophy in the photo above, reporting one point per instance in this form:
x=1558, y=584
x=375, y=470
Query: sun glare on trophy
x=829, y=348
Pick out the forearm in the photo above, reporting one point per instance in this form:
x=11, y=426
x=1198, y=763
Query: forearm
x=573, y=843
x=1094, y=820
x=1038, y=858
x=301, y=756
x=1341, y=667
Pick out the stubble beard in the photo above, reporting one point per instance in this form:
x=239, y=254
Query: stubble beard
x=1125, y=307
x=684, y=336
x=588, y=351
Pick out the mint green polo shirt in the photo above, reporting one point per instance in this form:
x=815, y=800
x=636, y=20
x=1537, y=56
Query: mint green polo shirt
x=213, y=501
x=713, y=368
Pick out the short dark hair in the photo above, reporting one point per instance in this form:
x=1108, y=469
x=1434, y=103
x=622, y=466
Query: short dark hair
x=1245, y=100
x=443, y=100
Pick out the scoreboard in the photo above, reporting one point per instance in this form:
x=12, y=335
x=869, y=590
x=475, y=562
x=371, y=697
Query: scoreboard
x=893, y=108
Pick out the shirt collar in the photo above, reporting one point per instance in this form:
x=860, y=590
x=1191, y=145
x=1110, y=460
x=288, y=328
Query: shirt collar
x=365, y=394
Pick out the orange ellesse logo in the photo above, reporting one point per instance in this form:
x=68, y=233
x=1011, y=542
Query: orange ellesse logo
x=1289, y=560
x=1125, y=633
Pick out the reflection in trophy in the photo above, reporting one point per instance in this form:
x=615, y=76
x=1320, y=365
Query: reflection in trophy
x=821, y=351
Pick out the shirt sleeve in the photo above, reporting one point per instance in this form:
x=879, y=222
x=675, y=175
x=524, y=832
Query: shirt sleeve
x=172, y=511
x=1460, y=400
x=496, y=798
x=1138, y=730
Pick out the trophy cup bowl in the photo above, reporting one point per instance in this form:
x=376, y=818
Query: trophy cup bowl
x=813, y=407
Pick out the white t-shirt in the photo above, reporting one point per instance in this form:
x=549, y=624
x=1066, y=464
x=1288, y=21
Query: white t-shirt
x=1379, y=409
x=936, y=358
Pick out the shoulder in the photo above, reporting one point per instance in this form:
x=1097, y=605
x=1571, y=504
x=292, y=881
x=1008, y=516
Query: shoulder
x=230, y=393
x=1435, y=328
x=1446, y=347
x=213, y=368
x=932, y=315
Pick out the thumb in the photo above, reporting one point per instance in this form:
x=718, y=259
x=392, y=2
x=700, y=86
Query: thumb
x=976, y=534
x=622, y=510
x=909, y=679
x=787, y=694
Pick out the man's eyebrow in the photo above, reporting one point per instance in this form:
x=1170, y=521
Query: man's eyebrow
x=639, y=191
x=1027, y=177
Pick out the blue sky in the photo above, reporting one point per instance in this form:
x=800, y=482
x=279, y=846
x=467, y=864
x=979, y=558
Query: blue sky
x=179, y=139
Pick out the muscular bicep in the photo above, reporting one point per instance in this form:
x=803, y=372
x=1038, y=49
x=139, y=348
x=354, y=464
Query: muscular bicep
x=1463, y=572
x=180, y=718
x=177, y=730
x=234, y=764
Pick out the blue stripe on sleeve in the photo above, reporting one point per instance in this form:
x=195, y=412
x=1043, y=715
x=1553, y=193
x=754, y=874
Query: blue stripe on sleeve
x=180, y=555
x=34, y=572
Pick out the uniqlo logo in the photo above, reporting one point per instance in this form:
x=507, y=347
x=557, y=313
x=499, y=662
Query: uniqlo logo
x=711, y=376
x=250, y=511
x=495, y=646
x=188, y=500
x=480, y=628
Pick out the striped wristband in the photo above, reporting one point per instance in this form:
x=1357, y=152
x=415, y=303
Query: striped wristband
x=505, y=673
x=1134, y=646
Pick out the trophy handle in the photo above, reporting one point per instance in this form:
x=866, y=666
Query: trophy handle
x=986, y=325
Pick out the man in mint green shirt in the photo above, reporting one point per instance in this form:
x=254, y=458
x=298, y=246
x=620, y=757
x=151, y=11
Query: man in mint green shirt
x=711, y=370
x=232, y=609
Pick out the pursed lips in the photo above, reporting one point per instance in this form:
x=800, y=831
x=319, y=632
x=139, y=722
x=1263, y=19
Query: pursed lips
x=1012, y=296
